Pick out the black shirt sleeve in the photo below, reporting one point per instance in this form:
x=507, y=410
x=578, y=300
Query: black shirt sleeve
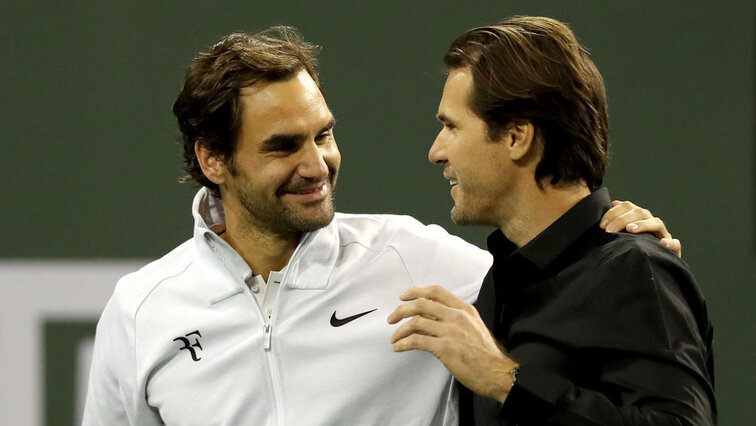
x=638, y=350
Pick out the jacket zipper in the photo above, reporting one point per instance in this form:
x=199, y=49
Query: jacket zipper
x=272, y=369
x=267, y=329
x=268, y=337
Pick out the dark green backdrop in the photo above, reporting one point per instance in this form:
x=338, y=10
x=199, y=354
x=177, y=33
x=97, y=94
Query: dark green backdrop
x=90, y=162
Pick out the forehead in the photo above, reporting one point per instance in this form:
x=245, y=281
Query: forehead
x=454, y=100
x=294, y=105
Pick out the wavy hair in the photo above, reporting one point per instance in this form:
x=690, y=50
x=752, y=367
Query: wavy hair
x=208, y=107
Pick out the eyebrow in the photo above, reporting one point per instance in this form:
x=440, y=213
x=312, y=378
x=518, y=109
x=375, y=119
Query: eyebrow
x=329, y=126
x=279, y=141
x=444, y=119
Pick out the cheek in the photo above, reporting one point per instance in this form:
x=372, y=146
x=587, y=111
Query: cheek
x=332, y=158
x=467, y=159
x=274, y=176
x=483, y=171
x=332, y=151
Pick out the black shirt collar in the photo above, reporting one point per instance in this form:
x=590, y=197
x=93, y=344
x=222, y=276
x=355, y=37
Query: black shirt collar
x=550, y=243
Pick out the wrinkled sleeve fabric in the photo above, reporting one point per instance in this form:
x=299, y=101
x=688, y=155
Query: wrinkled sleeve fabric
x=113, y=398
x=644, y=348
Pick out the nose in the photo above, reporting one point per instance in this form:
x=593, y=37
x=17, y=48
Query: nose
x=437, y=152
x=314, y=163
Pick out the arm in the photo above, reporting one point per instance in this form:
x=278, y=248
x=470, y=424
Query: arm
x=112, y=398
x=625, y=215
x=104, y=403
x=541, y=397
x=628, y=385
x=453, y=331
x=642, y=355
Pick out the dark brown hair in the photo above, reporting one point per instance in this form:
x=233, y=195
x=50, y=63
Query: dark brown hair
x=533, y=69
x=208, y=107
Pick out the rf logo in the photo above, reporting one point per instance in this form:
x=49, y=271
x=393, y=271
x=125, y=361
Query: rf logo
x=189, y=346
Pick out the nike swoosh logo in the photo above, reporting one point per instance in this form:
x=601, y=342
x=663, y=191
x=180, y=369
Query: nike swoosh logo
x=338, y=322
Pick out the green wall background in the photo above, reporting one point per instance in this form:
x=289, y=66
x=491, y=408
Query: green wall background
x=90, y=160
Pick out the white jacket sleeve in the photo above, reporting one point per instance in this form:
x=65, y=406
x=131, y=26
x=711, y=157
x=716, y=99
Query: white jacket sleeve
x=113, y=395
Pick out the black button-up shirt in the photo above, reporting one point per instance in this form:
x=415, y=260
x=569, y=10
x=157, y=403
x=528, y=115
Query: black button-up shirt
x=609, y=329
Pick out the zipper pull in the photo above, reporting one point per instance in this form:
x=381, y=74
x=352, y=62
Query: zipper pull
x=266, y=337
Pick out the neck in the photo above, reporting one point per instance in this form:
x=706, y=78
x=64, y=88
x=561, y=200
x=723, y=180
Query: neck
x=263, y=250
x=536, y=208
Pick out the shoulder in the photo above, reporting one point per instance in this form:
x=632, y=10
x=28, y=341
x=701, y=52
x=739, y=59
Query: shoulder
x=646, y=244
x=431, y=255
x=652, y=289
x=640, y=257
x=372, y=226
x=402, y=232
x=134, y=288
x=621, y=259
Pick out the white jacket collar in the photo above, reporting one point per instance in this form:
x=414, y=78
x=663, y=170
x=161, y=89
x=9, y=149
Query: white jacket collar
x=309, y=267
x=208, y=213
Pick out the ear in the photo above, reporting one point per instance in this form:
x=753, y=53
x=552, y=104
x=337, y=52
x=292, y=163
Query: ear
x=212, y=167
x=520, y=139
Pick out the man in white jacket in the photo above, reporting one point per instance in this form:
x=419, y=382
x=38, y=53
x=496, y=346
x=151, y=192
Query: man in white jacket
x=274, y=312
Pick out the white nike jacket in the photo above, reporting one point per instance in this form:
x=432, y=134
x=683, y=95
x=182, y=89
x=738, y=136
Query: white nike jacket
x=183, y=341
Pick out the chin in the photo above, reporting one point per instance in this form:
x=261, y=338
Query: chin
x=465, y=218
x=308, y=223
x=459, y=217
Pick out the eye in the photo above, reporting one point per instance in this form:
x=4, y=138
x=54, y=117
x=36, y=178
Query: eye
x=285, y=146
x=280, y=145
x=323, y=137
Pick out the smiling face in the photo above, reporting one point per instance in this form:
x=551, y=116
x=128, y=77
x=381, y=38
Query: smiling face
x=474, y=164
x=282, y=175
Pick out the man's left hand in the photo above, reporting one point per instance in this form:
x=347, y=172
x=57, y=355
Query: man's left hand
x=453, y=331
x=625, y=215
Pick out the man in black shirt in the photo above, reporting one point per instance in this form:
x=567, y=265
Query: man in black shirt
x=573, y=326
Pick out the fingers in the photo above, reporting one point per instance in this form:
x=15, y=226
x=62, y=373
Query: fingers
x=436, y=293
x=653, y=226
x=672, y=244
x=618, y=208
x=626, y=215
x=622, y=214
x=435, y=315
x=417, y=325
x=422, y=307
x=417, y=341
x=431, y=302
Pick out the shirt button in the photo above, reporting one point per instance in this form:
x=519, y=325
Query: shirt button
x=254, y=287
x=269, y=312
